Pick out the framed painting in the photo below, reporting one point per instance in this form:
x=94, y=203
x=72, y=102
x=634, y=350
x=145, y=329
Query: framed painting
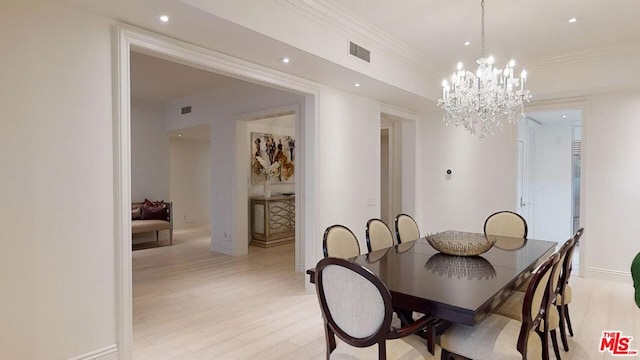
x=277, y=152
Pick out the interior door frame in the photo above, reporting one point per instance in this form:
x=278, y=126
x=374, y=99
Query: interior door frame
x=242, y=224
x=125, y=38
x=583, y=104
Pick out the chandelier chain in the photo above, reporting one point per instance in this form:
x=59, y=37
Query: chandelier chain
x=482, y=31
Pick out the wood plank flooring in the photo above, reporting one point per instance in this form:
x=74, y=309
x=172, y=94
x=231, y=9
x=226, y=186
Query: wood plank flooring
x=190, y=303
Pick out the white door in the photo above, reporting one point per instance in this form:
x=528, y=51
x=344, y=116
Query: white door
x=521, y=208
x=526, y=175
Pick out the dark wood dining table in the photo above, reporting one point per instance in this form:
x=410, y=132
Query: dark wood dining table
x=453, y=289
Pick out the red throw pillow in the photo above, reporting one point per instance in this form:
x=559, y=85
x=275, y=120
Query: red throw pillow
x=154, y=210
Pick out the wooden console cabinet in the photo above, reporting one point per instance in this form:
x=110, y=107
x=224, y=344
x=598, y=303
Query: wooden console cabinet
x=273, y=220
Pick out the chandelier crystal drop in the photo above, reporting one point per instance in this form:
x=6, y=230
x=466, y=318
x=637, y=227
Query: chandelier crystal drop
x=486, y=100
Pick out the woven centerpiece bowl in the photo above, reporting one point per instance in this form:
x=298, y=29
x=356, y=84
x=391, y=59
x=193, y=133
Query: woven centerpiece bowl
x=460, y=243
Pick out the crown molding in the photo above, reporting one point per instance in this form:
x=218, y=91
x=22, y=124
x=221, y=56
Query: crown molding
x=593, y=55
x=365, y=34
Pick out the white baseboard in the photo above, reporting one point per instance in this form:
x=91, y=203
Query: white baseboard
x=610, y=275
x=222, y=248
x=107, y=352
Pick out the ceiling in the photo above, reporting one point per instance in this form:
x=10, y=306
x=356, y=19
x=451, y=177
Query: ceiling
x=526, y=30
x=200, y=132
x=522, y=29
x=161, y=80
x=556, y=116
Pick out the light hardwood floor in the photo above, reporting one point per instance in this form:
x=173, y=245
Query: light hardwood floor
x=190, y=303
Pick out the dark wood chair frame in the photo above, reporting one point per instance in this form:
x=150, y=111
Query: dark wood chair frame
x=366, y=232
x=406, y=316
x=384, y=332
x=528, y=324
x=565, y=252
x=395, y=223
x=526, y=228
x=326, y=235
x=563, y=309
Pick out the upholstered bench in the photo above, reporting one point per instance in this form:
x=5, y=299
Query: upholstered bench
x=145, y=220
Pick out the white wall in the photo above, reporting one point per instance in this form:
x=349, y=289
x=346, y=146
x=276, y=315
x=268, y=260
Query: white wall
x=149, y=151
x=611, y=174
x=553, y=181
x=348, y=143
x=57, y=182
x=483, y=178
x=218, y=108
x=57, y=282
x=190, y=164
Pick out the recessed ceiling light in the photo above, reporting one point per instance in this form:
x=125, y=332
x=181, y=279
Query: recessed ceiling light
x=285, y=60
x=179, y=135
x=164, y=18
x=467, y=43
x=564, y=116
x=356, y=84
x=574, y=20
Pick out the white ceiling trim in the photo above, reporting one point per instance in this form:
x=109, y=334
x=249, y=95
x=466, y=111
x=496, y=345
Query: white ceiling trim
x=613, y=51
x=361, y=32
x=368, y=35
x=223, y=64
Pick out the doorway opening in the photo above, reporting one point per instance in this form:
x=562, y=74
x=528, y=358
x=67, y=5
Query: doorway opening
x=271, y=203
x=549, y=170
x=247, y=76
x=390, y=168
x=190, y=178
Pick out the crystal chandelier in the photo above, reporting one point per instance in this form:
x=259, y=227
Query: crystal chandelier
x=486, y=100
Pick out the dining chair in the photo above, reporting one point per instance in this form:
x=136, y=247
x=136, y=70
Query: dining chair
x=511, y=307
x=356, y=306
x=506, y=223
x=407, y=231
x=339, y=241
x=406, y=228
x=378, y=235
x=498, y=337
x=563, y=299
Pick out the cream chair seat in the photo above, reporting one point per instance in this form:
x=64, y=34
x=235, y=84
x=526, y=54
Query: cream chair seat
x=511, y=307
x=501, y=338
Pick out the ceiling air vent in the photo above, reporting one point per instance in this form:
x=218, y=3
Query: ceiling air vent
x=185, y=110
x=359, y=52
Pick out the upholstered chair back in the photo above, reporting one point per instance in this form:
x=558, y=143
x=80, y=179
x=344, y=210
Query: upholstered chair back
x=354, y=302
x=378, y=235
x=566, y=255
x=338, y=241
x=538, y=296
x=506, y=223
x=406, y=229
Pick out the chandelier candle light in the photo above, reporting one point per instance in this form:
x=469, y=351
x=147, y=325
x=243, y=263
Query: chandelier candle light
x=484, y=101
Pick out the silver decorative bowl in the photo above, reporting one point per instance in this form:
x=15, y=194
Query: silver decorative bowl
x=460, y=243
